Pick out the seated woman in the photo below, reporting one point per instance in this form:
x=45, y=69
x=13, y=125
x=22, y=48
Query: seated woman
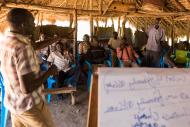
x=62, y=59
x=83, y=48
x=127, y=55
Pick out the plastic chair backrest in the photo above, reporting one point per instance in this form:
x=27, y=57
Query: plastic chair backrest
x=4, y=111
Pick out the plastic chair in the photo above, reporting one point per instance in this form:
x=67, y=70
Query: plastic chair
x=120, y=63
x=162, y=62
x=50, y=82
x=89, y=74
x=4, y=111
x=188, y=60
x=108, y=63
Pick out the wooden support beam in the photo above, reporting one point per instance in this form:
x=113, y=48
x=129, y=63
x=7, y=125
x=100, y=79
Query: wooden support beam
x=165, y=14
x=106, y=22
x=66, y=2
x=91, y=4
x=87, y=5
x=100, y=6
x=119, y=27
x=91, y=28
x=84, y=1
x=75, y=45
x=112, y=23
x=123, y=26
x=76, y=4
x=91, y=23
x=172, y=34
x=188, y=30
x=71, y=20
x=107, y=7
x=55, y=10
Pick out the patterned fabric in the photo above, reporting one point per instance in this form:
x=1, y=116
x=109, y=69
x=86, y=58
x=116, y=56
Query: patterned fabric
x=127, y=54
x=59, y=60
x=18, y=58
x=83, y=47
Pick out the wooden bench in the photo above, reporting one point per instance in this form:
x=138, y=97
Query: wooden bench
x=62, y=91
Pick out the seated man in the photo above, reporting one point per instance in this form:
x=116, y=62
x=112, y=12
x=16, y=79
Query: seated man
x=127, y=55
x=62, y=59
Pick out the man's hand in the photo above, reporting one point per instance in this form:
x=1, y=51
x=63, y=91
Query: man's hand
x=45, y=43
x=53, y=70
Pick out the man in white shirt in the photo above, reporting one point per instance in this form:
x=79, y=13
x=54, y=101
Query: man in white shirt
x=62, y=59
x=114, y=42
x=156, y=36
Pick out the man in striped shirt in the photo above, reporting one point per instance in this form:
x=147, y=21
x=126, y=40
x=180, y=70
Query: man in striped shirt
x=20, y=69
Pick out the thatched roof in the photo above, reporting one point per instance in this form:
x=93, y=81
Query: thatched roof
x=176, y=12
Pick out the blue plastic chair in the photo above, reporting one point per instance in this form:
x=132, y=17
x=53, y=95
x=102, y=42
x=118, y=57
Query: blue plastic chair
x=188, y=60
x=108, y=63
x=50, y=82
x=4, y=111
x=120, y=63
x=89, y=74
x=162, y=62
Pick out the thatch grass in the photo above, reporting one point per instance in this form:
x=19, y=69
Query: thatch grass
x=175, y=12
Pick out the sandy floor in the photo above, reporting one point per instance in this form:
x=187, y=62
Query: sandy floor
x=66, y=115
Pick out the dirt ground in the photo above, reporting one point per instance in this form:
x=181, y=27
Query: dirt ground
x=66, y=115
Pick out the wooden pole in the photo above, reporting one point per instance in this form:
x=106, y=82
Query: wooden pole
x=188, y=31
x=75, y=45
x=91, y=23
x=112, y=23
x=172, y=34
x=119, y=27
x=71, y=20
x=123, y=27
x=91, y=28
x=106, y=22
x=100, y=6
x=107, y=7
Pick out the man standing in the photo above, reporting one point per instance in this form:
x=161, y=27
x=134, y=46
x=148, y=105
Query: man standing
x=113, y=44
x=22, y=76
x=156, y=37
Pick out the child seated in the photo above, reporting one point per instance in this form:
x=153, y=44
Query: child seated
x=62, y=59
x=127, y=55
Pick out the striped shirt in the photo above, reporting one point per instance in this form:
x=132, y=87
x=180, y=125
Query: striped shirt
x=18, y=58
